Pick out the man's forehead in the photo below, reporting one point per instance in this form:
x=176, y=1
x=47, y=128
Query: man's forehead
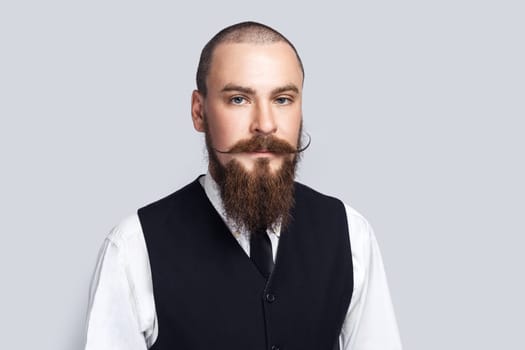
x=249, y=64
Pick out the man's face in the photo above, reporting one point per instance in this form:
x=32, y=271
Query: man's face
x=252, y=90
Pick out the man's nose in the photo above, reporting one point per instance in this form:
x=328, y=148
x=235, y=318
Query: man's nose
x=264, y=120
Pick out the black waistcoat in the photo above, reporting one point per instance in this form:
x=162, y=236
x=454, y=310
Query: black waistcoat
x=209, y=295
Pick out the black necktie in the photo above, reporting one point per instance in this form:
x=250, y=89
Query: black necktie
x=261, y=252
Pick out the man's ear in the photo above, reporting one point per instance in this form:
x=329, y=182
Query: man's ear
x=197, y=110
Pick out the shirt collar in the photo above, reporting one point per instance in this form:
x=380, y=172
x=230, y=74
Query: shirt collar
x=211, y=188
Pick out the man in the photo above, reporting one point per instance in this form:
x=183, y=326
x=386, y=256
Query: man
x=244, y=257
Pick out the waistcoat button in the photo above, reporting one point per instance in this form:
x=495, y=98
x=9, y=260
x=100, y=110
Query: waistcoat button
x=270, y=298
x=275, y=347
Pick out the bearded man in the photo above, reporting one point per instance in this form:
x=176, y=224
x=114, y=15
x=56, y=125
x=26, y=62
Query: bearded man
x=244, y=257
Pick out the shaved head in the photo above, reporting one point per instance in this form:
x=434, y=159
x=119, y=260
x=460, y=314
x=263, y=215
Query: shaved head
x=244, y=32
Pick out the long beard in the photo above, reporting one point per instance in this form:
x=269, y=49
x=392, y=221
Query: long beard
x=259, y=198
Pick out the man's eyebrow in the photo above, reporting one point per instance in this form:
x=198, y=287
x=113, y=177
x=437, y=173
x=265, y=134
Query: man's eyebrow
x=239, y=88
x=250, y=91
x=288, y=87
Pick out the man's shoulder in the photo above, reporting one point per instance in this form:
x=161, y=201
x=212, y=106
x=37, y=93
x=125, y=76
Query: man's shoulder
x=305, y=192
x=129, y=229
x=126, y=230
x=355, y=219
x=182, y=193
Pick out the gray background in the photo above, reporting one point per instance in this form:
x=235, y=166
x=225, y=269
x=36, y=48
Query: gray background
x=415, y=110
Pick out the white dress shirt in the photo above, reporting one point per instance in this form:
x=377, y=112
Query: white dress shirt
x=121, y=313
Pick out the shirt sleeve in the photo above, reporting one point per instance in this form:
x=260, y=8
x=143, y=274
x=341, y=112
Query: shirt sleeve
x=112, y=321
x=370, y=323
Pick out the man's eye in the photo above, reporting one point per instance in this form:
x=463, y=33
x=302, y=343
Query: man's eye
x=283, y=100
x=238, y=100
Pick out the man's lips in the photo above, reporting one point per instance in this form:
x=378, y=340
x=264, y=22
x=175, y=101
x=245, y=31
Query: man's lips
x=261, y=145
x=261, y=151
